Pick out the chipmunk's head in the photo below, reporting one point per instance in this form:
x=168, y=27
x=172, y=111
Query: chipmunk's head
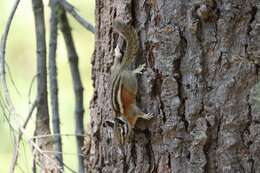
x=122, y=127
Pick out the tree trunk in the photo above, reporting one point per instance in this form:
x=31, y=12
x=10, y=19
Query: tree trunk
x=203, y=63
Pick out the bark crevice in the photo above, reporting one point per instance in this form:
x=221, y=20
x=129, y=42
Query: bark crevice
x=178, y=78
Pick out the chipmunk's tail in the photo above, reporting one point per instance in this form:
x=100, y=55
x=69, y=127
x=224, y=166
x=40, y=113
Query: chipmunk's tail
x=131, y=37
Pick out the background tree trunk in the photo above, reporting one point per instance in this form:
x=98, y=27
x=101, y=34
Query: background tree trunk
x=203, y=63
x=46, y=160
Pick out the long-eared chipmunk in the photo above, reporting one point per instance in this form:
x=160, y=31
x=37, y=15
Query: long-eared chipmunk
x=124, y=82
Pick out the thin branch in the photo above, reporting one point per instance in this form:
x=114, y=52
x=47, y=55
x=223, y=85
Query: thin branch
x=54, y=83
x=22, y=134
x=69, y=168
x=25, y=155
x=19, y=137
x=35, y=162
x=30, y=87
x=74, y=154
x=2, y=58
x=20, y=168
x=12, y=79
x=77, y=84
x=51, y=135
x=71, y=9
x=38, y=149
x=7, y=104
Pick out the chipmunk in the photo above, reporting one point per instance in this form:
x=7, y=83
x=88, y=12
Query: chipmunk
x=124, y=82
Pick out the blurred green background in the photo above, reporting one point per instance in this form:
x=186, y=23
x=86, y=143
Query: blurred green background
x=21, y=59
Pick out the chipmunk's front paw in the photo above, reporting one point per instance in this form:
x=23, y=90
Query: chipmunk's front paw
x=148, y=116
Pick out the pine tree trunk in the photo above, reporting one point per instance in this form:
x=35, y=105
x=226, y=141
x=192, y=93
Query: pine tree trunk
x=200, y=84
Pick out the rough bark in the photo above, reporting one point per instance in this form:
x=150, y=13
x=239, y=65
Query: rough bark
x=203, y=65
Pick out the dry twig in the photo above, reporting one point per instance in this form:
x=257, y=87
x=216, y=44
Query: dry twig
x=71, y=9
x=19, y=137
x=77, y=85
x=52, y=135
x=5, y=90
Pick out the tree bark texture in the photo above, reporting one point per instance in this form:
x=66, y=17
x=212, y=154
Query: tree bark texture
x=200, y=84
